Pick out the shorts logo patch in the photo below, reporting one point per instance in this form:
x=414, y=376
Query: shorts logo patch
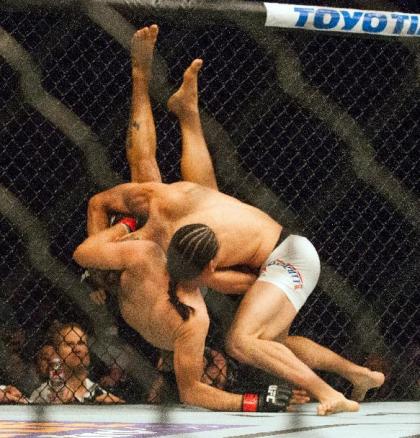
x=291, y=271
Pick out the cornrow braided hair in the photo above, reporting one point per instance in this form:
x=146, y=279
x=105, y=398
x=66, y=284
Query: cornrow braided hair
x=190, y=250
x=180, y=307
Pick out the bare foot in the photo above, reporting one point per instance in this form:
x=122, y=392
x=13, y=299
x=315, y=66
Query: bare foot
x=362, y=384
x=142, y=47
x=185, y=101
x=336, y=404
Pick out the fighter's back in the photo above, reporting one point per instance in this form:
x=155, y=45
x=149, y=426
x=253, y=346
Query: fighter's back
x=144, y=299
x=246, y=234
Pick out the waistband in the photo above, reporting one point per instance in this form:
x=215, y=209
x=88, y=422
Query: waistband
x=285, y=233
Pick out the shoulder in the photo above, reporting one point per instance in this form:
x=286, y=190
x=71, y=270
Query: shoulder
x=199, y=318
x=182, y=193
x=138, y=190
x=144, y=252
x=179, y=187
x=190, y=187
x=142, y=257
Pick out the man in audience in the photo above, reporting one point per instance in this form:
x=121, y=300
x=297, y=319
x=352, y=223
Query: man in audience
x=42, y=360
x=19, y=369
x=68, y=371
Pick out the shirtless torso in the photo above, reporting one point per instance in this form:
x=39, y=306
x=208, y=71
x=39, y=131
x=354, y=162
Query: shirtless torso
x=145, y=306
x=170, y=206
x=244, y=235
x=143, y=298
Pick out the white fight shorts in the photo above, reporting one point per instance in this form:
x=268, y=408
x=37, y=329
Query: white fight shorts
x=293, y=267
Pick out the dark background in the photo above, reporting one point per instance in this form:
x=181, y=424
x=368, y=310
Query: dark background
x=282, y=144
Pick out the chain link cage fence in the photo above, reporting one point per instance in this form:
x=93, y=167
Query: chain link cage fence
x=320, y=130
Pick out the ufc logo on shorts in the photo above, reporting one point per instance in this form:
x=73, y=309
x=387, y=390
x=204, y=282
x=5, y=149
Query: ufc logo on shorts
x=271, y=393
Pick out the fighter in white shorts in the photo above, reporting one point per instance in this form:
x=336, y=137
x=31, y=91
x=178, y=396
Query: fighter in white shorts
x=294, y=267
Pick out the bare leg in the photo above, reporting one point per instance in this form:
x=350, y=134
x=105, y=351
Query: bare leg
x=265, y=313
x=141, y=138
x=319, y=357
x=196, y=164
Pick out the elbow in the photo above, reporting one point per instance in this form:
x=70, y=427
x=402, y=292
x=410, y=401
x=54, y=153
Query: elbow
x=190, y=393
x=95, y=203
x=188, y=396
x=247, y=283
x=78, y=256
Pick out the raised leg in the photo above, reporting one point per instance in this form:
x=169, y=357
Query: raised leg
x=321, y=358
x=196, y=164
x=265, y=314
x=141, y=136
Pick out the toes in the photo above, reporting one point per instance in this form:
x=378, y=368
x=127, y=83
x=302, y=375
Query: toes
x=154, y=30
x=147, y=32
x=141, y=33
x=321, y=410
x=193, y=69
x=197, y=64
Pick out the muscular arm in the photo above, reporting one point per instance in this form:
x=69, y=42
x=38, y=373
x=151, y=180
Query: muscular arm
x=129, y=199
x=102, y=251
x=188, y=364
x=230, y=281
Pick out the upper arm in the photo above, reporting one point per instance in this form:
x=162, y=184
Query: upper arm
x=109, y=255
x=229, y=281
x=129, y=198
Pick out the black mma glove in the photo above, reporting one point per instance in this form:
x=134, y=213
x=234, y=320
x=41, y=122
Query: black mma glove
x=275, y=399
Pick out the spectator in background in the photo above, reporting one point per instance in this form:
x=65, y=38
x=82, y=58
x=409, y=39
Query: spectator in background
x=18, y=369
x=114, y=377
x=46, y=352
x=10, y=394
x=117, y=381
x=68, y=371
x=42, y=360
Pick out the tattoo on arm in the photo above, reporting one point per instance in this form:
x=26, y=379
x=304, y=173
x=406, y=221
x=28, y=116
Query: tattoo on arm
x=135, y=125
